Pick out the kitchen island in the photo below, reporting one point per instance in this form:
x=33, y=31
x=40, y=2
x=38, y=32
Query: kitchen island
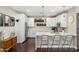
x=51, y=38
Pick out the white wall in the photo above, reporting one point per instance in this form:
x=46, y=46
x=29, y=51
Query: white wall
x=72, y=26
x=7, y=30
x=20, y=27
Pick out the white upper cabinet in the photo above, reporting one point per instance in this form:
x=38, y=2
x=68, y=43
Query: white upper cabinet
x=62, y=19
x=51, y=22
x=30, y=22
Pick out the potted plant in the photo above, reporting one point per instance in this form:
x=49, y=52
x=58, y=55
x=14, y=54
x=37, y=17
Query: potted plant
x=1, y=43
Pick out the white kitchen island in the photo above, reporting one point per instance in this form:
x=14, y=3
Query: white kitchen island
x=41, y=34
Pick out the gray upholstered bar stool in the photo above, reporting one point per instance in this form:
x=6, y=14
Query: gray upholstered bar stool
x=44, y=42
x=56, y=41
x=68, y=41
x=38, y=41
x=50, y=41
x=63, y=39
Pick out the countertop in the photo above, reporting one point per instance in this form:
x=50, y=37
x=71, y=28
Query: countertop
x=50, y=34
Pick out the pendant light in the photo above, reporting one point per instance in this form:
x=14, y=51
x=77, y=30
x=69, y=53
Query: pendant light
x=43, y=11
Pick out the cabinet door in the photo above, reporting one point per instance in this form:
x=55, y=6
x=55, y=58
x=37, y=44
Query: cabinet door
x=51, y=22
x=48, y=22
x=59, y=19
x=30, y=22
x=64, y=20
x=54, y=22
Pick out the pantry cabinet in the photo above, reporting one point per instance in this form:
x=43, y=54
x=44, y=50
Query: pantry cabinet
x=51, y=22
x=30, y=22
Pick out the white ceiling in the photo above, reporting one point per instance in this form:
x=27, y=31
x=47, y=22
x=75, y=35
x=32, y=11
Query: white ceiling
x=39, y=10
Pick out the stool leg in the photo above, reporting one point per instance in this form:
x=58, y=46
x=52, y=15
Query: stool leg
x=40, y=45
x=53, y=43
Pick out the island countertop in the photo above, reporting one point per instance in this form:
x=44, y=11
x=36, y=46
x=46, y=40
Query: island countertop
x=38, y=39
x=50, y=34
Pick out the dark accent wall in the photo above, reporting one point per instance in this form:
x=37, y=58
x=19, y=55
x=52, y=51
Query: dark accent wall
x=77, y=15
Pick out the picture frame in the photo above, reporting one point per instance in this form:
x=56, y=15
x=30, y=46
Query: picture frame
x=6, y=20
x=12, y=21
x=1, y=19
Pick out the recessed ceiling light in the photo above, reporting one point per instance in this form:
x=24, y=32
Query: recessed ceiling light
x=28, y=10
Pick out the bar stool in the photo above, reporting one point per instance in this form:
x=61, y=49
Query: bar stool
x=50, y=41
x=68, y=41
x=63, y=39
x=56, y=41
x=38, y=42
x=44, y=42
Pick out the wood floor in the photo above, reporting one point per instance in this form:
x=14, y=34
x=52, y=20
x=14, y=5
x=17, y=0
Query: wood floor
x=29, y=46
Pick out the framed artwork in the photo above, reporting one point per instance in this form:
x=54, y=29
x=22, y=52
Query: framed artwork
x=12, y=21
x=71, y=19
x=1, y=20
x=6, y=20
x=9, y=21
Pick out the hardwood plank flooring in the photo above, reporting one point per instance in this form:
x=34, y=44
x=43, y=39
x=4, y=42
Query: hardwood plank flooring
x=29, y=46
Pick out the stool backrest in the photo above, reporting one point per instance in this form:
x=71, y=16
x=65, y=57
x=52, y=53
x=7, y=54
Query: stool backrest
x=68, y=40
x=57, y=37
x=44, y=39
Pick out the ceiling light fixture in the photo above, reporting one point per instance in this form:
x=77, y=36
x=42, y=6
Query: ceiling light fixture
x=43, y=11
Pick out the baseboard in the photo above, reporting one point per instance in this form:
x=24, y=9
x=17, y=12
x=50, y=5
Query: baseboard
x=30, y=37
x=24, y=41
x=27, y=39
